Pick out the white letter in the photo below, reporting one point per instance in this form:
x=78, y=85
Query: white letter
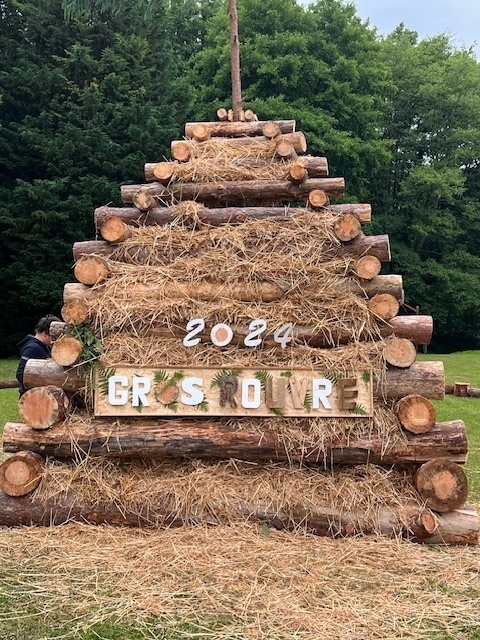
x=189, y=385
x=321, y=388
x=141, y=385
x=117, y=397
x=257, y=387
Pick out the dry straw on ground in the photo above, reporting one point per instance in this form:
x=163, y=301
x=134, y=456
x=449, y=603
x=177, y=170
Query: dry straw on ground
x=241, y=582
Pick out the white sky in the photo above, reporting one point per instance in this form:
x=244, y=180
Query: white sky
x=459, y=18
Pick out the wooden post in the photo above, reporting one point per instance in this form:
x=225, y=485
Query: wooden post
x=235, y=61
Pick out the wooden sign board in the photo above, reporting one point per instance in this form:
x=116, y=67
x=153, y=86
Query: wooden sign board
x=133, y=391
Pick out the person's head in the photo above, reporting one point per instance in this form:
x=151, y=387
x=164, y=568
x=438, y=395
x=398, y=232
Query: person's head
x=42, y=329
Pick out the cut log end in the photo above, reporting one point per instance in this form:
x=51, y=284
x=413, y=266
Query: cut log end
x=201, y=132
x=368, y=267
x=222, y=114
x=271, y=130
x=181, y=150
x=284, y=149
x=442, y=484
x=21, y=473
x=67, y=351
x=297, y=173
x=384, y=306
x=347, y=227
x=143, y=200
x=75, y=311
x=400, y=352
x=91, y=270
x=43, y=407
x=317, y=198
x=416, y=413
x=164, y=171
x=115, y=230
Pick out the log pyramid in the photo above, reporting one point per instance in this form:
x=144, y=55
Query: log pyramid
x=233, y=325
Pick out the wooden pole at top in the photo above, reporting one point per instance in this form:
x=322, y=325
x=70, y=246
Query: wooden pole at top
x=235, y=61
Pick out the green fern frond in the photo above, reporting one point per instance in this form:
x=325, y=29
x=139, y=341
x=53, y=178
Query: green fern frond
x=217, y=379
x=359, y=410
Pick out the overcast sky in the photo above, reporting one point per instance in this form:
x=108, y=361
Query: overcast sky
x=460, y=18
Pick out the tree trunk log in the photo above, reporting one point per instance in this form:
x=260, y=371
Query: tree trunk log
x=67, y=351
x=91, y=270
x=239, y=129
x=384, y=306
x=297, y=173
x=43, y=407
x=424, y=378
x=265, y=291
x=460, y=389
x=114, y=230
x=212, y=439
x=400, y=352
x=472, y=392
x=239, y=190
x=75, y=311
x=368, y=267
x=377, y=246
x=442, y=484
x=21, y=473
x=458, y=527
x=220, y=216
x=9, y=384
x=318, y=198
x=416, y=413
x=347, y=227
x=235, y=61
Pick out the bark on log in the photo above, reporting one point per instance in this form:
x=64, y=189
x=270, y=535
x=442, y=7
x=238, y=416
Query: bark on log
x=425, y=378
x=239, y=129
x=220, y=216
x=212, y=439
x=239, y=190
x=67, y=351
x=458, y=527
x=43, y=407
x=9, y=384
x=21, y=473
x=91, y=270
x=400, y=352
x=416, y=413
x=460, y=389
x=265, y=291
x=442, y=484
x=473, y=393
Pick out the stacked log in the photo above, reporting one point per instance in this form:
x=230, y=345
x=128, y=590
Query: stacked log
x=431, y=451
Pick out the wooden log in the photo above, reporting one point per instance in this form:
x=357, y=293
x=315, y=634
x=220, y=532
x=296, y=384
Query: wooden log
x=250, y=116
x=91, y=270
x=222, y=114
x=114, y=230
x=89, y=247
x=472, y=392
x=75, y=311
x=200, y=132
x=368, y=267
x=284, y=149
x=384, y=306
x=442, y=484
x=239, y=129
x=235, y=190
x=265, y=291
x=271, y=129
x=460, y=389
x=41, y=373
x=425, y=378
x=9, y=384
x=181, y=150
x=67, y=351
x=43, y=407
x=400, y=352
x=347, y=227
x=21, y=473
x=317, y=198
x=315, y=166
x=143, y=200
x=416, y=413
x=213, y=439
x=298, y=173
x=449, y=389
x=217, y=216
x=459, y=527
x=59, y=329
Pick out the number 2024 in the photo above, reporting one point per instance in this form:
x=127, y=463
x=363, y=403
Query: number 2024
x=222, y=334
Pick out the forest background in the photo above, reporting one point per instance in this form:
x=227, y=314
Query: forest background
x=90, y=90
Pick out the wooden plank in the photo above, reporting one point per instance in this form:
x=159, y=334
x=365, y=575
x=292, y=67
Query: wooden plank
x=133, y=391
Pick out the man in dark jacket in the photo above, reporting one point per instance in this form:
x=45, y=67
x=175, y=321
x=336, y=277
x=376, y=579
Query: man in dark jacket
x=37, y=346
